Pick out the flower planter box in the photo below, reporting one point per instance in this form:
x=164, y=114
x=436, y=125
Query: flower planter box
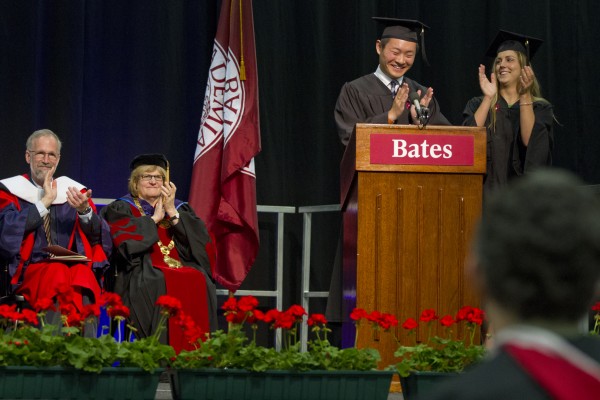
x=419, y=383
x=218, y=384
x=68, y=383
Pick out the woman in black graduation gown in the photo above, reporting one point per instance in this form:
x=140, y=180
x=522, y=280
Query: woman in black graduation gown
x=518, y=120
x=160, y=247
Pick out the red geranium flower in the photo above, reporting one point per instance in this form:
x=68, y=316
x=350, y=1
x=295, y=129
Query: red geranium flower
x=374, y=316
x=315, y=319
x=476, y=316
x=428, y=315
x=255, y=316
x=410, y=324
x=296, y=311
x=596, y=307
x=66, y=309
x=358, y=314
x=247, y=303
x=191, y=332
x=118, y=311
x=285, y=320
x=235, y=317
x=447, y=320
x=463, y=313
x=387, y=321
x=29, y=316
x=170, y=305
x=90, y=310
x=109, y=299
x=230, y=304
x=7, y=311
x=74, y=319
x=272, y=315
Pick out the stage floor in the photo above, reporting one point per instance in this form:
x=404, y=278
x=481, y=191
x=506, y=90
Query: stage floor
x=164, y=393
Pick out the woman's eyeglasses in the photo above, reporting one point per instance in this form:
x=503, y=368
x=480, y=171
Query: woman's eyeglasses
x=148, y=178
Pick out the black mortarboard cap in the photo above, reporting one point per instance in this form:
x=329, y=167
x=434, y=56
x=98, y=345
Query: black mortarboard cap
x=149, y=159
x=404, y=29
x=514, y=41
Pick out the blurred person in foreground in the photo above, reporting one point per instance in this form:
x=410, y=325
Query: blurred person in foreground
x=536, y=261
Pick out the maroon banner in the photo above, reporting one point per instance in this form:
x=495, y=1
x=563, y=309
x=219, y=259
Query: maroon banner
x=421, y=149
x=223, y=187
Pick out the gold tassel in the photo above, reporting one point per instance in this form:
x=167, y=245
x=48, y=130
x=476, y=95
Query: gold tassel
x=242, y=70
x=168, y=179
x=242, y=63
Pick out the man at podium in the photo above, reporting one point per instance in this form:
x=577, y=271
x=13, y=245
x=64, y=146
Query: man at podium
x=387, y=96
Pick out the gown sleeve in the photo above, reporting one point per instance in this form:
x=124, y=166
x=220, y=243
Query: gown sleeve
x=541, y=142
x=351, y=108
x=15, y=223
x=469, y=111
x=131, y=235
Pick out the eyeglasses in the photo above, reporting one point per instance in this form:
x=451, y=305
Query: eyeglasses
x=40, y=155
x=148, y=178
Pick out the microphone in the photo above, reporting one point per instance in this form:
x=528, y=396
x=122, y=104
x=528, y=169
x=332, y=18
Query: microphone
x=422, y=112
x=415, y=100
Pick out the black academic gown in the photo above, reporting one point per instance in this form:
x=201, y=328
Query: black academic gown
x=501, y=378
x=507, y=156
x=368, y=100
x=138, y=282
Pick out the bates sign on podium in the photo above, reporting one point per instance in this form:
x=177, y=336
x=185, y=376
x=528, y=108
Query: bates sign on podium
x=422, y=149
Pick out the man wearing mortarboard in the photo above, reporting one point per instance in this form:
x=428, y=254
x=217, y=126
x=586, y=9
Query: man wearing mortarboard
x=518, y=119
x=383, y=97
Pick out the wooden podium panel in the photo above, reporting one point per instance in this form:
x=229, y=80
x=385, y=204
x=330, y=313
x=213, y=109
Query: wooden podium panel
x=407, y=229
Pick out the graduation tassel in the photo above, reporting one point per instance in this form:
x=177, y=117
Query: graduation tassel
x=423, y=53
x=242, y=64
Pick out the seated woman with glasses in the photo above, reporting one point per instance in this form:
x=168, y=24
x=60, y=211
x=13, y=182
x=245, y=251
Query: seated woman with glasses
x=160, y=247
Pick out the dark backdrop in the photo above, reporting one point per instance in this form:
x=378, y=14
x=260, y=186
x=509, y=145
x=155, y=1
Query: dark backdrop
x=116, y=78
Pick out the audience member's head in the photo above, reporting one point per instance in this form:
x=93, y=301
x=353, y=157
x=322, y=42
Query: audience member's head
x=538, y=247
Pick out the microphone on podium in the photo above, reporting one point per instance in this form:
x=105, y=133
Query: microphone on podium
x=422, y=112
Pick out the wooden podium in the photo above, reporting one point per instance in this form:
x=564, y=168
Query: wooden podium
x=410, y=201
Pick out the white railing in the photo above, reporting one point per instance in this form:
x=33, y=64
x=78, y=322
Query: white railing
x=277, y=293
x=307, y=294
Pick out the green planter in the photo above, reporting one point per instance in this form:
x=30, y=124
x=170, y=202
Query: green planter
x=219, y=384
x=68, y=383
x=419, y=383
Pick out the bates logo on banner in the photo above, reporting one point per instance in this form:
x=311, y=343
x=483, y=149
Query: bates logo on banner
x=422, y=149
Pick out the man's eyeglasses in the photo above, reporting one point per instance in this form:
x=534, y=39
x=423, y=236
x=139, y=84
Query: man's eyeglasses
x=40, y=155
x=148, y=178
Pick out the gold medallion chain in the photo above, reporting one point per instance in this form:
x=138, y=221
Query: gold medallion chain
x=165, y=250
